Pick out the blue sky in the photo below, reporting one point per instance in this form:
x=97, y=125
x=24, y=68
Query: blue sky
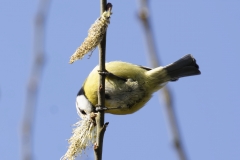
x=207, y=106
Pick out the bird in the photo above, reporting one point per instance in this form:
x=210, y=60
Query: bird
x=128, y=87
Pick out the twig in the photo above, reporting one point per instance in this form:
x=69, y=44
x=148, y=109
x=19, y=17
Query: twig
x=176, y=138
x=101, y=127
x=34, y=81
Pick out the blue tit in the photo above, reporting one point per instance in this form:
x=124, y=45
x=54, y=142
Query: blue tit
x=128, y=87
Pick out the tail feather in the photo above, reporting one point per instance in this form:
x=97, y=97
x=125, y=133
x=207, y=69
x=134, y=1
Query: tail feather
x=186, y=66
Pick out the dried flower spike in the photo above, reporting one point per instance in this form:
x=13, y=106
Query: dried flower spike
x=95, y=35
x=84, y=135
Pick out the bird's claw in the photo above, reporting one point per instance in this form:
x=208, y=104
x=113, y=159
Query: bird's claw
x=99, y=108
x=104, y=72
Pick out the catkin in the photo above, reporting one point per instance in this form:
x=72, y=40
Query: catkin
x=95, y=36
x=84, y=135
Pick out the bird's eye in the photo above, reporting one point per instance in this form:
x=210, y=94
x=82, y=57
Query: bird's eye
x=82, y=111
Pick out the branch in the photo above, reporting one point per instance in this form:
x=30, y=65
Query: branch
x=177, y=142
x=101, y=127
x=34, y=81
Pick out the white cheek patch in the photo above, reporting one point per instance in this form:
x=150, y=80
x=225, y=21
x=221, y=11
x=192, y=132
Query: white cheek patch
x=82, y=103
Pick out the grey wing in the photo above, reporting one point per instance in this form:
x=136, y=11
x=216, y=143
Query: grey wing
x=123, y=95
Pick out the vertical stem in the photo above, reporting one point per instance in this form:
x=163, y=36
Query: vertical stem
x=101, y=101
x=34, y=81
x=101, y=127
x=103, y=4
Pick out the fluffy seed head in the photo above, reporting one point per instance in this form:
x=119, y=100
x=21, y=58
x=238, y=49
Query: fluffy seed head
x=95, y=36
x=84, y=135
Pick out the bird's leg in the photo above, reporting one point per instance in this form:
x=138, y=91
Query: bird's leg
x=111, y=75
x=98, y=108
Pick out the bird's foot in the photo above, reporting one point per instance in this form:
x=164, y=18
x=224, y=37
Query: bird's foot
x=104, y=72
x=99, y=108
x=111, y=75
